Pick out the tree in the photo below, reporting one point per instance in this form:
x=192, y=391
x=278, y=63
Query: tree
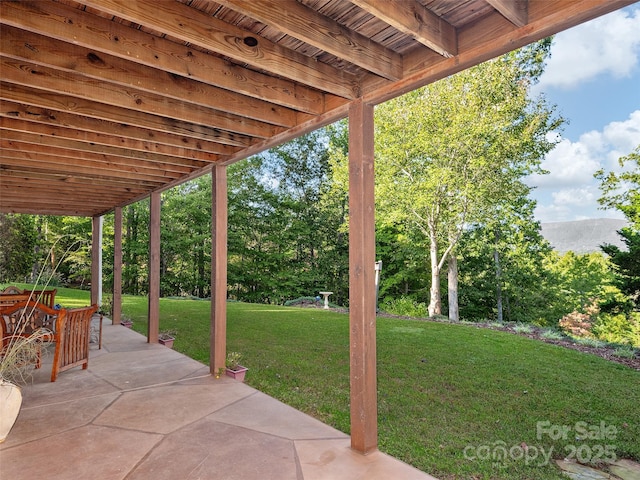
x=502, y=272
x=622, y=192
x=18, y=237
x=448, y=152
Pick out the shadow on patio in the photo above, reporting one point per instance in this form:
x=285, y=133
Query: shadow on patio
x=144, y=411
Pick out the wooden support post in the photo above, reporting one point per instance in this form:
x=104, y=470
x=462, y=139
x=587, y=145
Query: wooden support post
x=116, y=314
x=362, y=294
x=218, y=332
x=154, y=269
x=96, y=259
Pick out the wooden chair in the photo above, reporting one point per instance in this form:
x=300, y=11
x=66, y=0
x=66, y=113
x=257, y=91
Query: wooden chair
x=23, y=318
x=11, y=290
x=8, y=300
x=72, y=334
x=48, y=297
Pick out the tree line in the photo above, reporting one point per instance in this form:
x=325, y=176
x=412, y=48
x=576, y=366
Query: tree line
x=451, y=196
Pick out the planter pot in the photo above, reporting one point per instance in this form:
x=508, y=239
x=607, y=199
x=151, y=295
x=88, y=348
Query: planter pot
x=10, y=403
x=237, y=374
x=167, y=342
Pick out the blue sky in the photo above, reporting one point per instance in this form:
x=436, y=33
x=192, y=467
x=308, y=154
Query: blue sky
x=593, y=76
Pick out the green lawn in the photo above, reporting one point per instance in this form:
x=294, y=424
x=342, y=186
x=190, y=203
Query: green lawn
x=451, y=397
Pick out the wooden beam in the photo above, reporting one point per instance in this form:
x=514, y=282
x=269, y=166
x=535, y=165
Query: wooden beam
x=487, y=38
x=39, y=50
x=218, y=330
x=22, y=117
x=362, y=294
x=305, y=24
x=37, y=98
x=135, y=101
x=411, y=18
x=70, y=24
x=64, y=158
x=120, y=155
x=153, y=326
x=190, y=25
x=513, y=10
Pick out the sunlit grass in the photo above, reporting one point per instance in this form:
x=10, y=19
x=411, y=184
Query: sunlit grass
x=443, y=389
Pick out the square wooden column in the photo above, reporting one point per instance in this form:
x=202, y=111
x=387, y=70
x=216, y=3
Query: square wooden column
x=218, y=331
x=116, y=315
x=96, y=259
x=362, y=293
x=153, y=326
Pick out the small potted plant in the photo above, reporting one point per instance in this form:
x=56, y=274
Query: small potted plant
x=126, y=322
x=167, y=337
x=234, y=369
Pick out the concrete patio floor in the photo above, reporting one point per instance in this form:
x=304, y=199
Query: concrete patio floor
x=144, y=411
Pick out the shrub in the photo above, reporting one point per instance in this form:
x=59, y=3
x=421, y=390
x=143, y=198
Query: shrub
x=552, y=334
x=405, y=306
x=625, y=351
x=578, y=323
x=523, y=328
x=618, y=328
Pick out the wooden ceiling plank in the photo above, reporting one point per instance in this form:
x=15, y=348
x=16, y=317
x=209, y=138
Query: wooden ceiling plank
x=26, y=176
x=193, y=26
x=79, y=165
x=22, y=45
x=97, y=140
x=412, y=19
x=89, y=147
x=513, y=10
x=66, y=23
x=136, y=101
x=56, y=101
x=104, y=132
x=305, y=24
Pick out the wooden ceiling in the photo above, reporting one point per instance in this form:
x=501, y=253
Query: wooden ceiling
x=105, y=101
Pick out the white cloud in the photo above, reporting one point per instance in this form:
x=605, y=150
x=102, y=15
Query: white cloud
x=569, y=191
x=574, y=196
x=606, y=45
x=569, y=164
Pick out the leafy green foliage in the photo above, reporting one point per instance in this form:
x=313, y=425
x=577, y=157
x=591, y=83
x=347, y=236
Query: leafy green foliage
x=448, y=153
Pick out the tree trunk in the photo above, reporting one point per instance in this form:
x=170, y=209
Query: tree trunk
x=496, y=261
x=452, y=278
x=435, y=304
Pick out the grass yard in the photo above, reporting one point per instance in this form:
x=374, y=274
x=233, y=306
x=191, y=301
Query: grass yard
x=456, y=401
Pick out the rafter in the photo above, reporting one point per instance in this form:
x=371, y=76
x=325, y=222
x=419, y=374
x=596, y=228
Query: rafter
x=190, y=25
x=413, y=19
x=136, y=101
x=305, y=24
x=97, y=140
x=56, y=101
x=20, y=45
x=163, y=161
x=513, y=10
x=69, y=125
x=55, y=20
